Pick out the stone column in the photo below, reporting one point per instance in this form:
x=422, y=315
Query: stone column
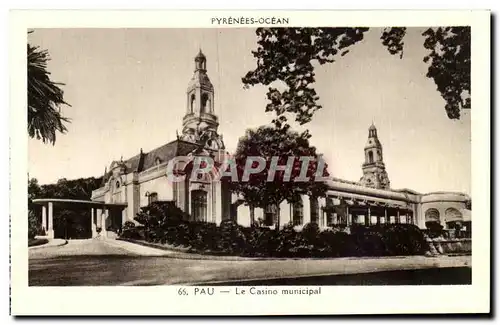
x=386, y=220
x=93, y=225
x=50, y=230
x=369, y=216
x=44, y=218
x=397, y=217
x=104, y=218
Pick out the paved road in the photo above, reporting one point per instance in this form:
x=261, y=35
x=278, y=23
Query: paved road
x=98, y=262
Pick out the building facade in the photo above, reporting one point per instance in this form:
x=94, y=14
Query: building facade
x=140, y=180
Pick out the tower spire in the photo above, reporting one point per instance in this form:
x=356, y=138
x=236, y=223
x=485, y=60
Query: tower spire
x=374, y=173
x=200, y=118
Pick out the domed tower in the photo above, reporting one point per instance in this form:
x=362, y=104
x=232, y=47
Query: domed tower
x=200, y=123
x=374, y=173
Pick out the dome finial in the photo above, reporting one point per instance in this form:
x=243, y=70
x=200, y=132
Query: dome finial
x=200, y=61
x=200, y=55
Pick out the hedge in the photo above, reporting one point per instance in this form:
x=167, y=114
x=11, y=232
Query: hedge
x=163, y=223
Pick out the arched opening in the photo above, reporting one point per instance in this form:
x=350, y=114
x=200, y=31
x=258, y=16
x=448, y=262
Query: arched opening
x=370, y=156
x=199, y=205
x=192, y=103
x=432, y=222
x=205, y=102
x=454, y=221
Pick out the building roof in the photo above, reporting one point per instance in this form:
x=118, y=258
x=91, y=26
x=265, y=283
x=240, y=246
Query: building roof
x=164, y=153
x=200, y=55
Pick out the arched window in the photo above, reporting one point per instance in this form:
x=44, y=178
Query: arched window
x=270, y=215
x=432, y=215
x=117, y=184
x=199, y=205
x=453, y=214
x=152, y=197
x=204, y=103
x=193, y=103
x=370, y=156
x=298, y=213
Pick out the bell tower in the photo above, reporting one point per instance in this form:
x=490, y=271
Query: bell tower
x=200, y=123
x=374, y=173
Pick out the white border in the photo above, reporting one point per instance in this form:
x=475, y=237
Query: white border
x=334, y=300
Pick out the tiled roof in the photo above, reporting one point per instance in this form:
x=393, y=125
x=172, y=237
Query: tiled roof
x=166, y=153
x=146, y=160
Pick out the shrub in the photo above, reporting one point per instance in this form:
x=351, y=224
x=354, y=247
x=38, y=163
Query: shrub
x=128, y=225
x=232, y=239
x=261, y=241
x=164, y=223
x=131, y=231
x=33, y=227
x=310, y=234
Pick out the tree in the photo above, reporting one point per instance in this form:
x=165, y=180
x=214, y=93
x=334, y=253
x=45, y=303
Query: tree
x=67, y=222
x=34, y=191
x=44, y=99
x=288, y=55
x=268, y=142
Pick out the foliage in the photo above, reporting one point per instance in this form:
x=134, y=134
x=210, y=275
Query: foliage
x=272, y=141
x=286, y=57
x=37, y=242
x=33, y=224
x=450, y=66
x=229, y=238
x=72, y=223
x=45, y=98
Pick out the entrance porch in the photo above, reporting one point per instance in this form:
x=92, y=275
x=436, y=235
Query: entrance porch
x=106, y=216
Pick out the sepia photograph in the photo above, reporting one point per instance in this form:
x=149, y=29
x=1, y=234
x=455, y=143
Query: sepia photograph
x=262, y=158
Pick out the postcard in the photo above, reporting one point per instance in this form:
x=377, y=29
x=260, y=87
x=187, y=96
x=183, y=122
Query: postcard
x=250, y=162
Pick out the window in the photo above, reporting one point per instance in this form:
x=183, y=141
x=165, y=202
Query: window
x=153, y=197
x=314, y=209
x=270, y=215
x=432, y=215
x=117, y=184
x=204, y=103
x=370, y=156
x=193, y=103
x=298, y=213
x=199, y=205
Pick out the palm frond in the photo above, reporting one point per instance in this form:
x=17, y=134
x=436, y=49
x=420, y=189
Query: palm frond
x=45, y=98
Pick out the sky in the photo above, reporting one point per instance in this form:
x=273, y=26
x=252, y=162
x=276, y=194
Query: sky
x=127, y=91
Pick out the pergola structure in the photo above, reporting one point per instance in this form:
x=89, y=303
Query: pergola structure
x=348, y=210
x=95, y=207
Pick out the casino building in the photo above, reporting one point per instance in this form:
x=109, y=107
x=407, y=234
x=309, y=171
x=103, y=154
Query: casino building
x=137, y=181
